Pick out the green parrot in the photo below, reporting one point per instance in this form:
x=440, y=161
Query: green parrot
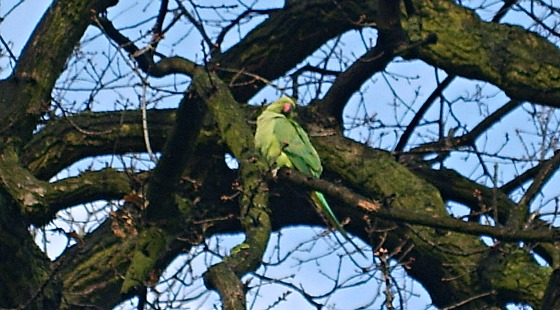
x=284, y=143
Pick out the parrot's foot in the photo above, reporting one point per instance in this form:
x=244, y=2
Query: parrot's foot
x=275, y=172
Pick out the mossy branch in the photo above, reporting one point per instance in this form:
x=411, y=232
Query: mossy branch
x=246, y=257
x=522, y=63
x=66, y=140
x=387, y=212
x=25, y=96
x=433, y=255
x=39, y=200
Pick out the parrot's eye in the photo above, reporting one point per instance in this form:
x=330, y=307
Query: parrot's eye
x=287, y=108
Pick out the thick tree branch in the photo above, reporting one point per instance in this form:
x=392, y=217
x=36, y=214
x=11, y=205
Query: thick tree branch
x=391, y=37
x=481, y=200
x=25, y=273
x=24, y=189
x=99, y=265
x=166, y=212
x=473, y=134
x=551, y=298
x=523, y=64
x=66, y=140
x=286, y=38
x=444, y=255
x=88, y=186
x=178, y=149
x=246, y=257
x=391, y=42
x=26, y=95
x=350, y=81
x=387, y=212
x=39, y=201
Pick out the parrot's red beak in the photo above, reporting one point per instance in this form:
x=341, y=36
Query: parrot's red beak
x=287, y=108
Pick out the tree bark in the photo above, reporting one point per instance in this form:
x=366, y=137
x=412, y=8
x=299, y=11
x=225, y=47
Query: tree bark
x=191, y=195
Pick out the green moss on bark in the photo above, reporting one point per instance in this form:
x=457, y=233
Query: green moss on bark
x=145, y=256
x=520, y=62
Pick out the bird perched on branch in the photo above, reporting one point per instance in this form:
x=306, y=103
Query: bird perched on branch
x=284, y=143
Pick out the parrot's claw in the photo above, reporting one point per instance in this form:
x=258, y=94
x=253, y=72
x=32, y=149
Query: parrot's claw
x=275, y=172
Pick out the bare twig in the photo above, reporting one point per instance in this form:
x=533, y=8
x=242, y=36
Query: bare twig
x=143, y=106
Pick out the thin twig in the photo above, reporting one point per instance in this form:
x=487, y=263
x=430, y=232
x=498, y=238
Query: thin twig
x=145, y=130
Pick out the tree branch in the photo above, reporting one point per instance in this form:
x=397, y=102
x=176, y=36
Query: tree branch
x=286, y=38
x=541, y=178
x=469, y=138
x=350, y=81
x=496, y=53
x=387, y=212
x=420, y=113
x=88, y=186
x=166, y=212
x=551, y=298
x=26, y=95
x=179, y=148
x=39, y=201
x=66, y=140
x=99, y=265
x=144, y=56
x=246, y=257
x=437, y=258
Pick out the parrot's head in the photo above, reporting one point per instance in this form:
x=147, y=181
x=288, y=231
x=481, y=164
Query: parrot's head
x=284, y=105
x=287, y=108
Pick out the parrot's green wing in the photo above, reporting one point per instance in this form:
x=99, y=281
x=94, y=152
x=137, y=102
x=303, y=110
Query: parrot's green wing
x=284, y=143
x=297, y=147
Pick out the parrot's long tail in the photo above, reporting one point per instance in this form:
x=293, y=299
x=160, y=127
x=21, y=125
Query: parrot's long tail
x=323, y=206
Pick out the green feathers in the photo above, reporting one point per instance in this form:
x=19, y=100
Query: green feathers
x=284, y=143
